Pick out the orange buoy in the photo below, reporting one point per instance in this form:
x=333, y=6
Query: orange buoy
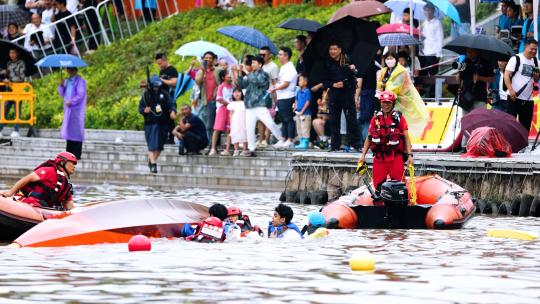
x=139, y=243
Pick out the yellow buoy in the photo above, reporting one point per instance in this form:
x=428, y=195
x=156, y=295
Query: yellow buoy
x=362, y=261
x=512, y=234
x=319, y=233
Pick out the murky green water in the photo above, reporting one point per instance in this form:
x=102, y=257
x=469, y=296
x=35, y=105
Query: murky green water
x=461, y=266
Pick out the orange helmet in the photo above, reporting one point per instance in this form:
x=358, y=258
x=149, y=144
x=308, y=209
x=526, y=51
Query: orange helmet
x=234, y=210
x=65, y=156
x=387, y=96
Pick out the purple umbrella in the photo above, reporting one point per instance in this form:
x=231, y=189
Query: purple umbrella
x=505, y=123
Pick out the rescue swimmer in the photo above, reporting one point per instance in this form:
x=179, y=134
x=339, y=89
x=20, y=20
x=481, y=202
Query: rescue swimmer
x=389, y=141
x=48, y=185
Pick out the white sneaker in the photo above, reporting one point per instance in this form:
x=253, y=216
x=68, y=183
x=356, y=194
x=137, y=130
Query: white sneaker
x=264, y=144
x=289, y=144
x=257, y=144
x=279, y=144
x=15, y=134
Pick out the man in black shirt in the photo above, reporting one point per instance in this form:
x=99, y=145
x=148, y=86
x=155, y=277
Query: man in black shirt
x=365, y=99
x=340, y=78
x=169, y=76
x=66, y=31
x=478, y=72
x=191, y=132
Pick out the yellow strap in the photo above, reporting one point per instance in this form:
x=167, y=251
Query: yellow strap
x=413, y=185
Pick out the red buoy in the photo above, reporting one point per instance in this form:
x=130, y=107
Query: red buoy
x=139, y=243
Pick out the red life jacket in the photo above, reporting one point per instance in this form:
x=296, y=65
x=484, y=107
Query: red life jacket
x=387, y=139
x=246, y=227
x=207, y=233
x=50, y=194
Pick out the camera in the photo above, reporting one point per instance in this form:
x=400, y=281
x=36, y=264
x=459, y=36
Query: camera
x=460, y=66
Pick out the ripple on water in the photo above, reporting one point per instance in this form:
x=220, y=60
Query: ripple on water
x=411, y=266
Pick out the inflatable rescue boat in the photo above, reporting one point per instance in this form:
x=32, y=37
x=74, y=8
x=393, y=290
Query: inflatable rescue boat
x=440, y=204
x=115, y=222
x=16, y=217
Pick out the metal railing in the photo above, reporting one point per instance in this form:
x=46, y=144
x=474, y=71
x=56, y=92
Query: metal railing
x=109, y=21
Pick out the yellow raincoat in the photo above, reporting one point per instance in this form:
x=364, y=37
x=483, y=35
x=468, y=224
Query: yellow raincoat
x=408, y=100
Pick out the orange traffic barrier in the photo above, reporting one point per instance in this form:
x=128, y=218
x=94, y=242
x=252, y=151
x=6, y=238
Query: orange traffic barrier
x=20, y=93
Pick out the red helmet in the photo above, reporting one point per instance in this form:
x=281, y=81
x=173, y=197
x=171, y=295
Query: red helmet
x=65, y=156
x=234, y=210
x=213, y=221
x=387, y=96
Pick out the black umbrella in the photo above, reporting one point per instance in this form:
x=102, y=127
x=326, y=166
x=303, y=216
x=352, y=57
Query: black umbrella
x=12, y=13
x=25, y=55
x=358, y=39
x=489, y=47
x=300, y=24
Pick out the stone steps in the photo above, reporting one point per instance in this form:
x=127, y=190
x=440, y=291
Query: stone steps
x=163, y=180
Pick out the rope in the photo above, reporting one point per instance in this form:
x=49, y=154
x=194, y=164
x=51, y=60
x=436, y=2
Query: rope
x=412, y=201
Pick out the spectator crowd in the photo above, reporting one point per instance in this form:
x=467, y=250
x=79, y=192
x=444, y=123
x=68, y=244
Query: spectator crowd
x=258, y=103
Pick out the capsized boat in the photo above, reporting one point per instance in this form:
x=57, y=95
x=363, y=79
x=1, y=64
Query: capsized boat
x=440, y=204
x=115, y=222
x=16, y=217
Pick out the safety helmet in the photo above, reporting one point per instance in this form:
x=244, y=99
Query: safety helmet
x=234, y=210
x=65, y=156
x=387, y=96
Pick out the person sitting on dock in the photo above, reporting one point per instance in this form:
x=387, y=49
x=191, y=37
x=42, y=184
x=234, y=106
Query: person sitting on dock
x=48, y=185
x=389, y=141
x=281, y=227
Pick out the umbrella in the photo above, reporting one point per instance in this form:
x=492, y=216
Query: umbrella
x=249, y=36
x=183, y=84
x=198, y=48
x=398, y=6
x=397, y=28
x=448, y=9
x=300, y=24
x=61, y=61
x=12, y=13
x=360, y=9
x=505, y=123
x=358, y=39
x=397, y=40
x=25, y=55
x=489, y=47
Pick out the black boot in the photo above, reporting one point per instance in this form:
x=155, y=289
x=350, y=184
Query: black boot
x=153, y=168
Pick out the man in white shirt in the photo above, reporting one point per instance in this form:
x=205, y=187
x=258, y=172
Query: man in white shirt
x=42, y=38
x=272, y=70
x=285, y=90
x=521, y=71
x=48, y=14
x=35, y=6
x=432, y=31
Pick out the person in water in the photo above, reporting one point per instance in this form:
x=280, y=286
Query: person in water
x=389, y=141
x=218, y=211
x=48, y=185
x=316, y=220
x=238, y=224
x=281, y=227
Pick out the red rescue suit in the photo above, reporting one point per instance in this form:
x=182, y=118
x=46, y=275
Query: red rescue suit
x=52, y=190
x=388, y=144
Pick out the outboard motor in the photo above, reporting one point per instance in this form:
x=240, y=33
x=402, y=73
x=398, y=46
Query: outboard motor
x=396, y=199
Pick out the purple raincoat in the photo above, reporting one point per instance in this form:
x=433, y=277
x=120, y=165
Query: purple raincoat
x=73, y=124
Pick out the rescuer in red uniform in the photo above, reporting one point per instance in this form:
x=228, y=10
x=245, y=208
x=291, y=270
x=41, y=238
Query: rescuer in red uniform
x=48, y=185
x=389, y=141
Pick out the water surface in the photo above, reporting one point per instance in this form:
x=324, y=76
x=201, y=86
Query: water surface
x=414, y=266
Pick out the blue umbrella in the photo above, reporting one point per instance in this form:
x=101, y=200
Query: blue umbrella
x=61, y=61
x=183, y=84
x=249, y=36
x=448, y=9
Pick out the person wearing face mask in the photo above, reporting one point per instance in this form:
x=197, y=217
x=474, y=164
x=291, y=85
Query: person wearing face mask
x=394, y=77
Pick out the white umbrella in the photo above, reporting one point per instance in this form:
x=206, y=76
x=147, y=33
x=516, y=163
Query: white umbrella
x=397, y=7
x=198, y=48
